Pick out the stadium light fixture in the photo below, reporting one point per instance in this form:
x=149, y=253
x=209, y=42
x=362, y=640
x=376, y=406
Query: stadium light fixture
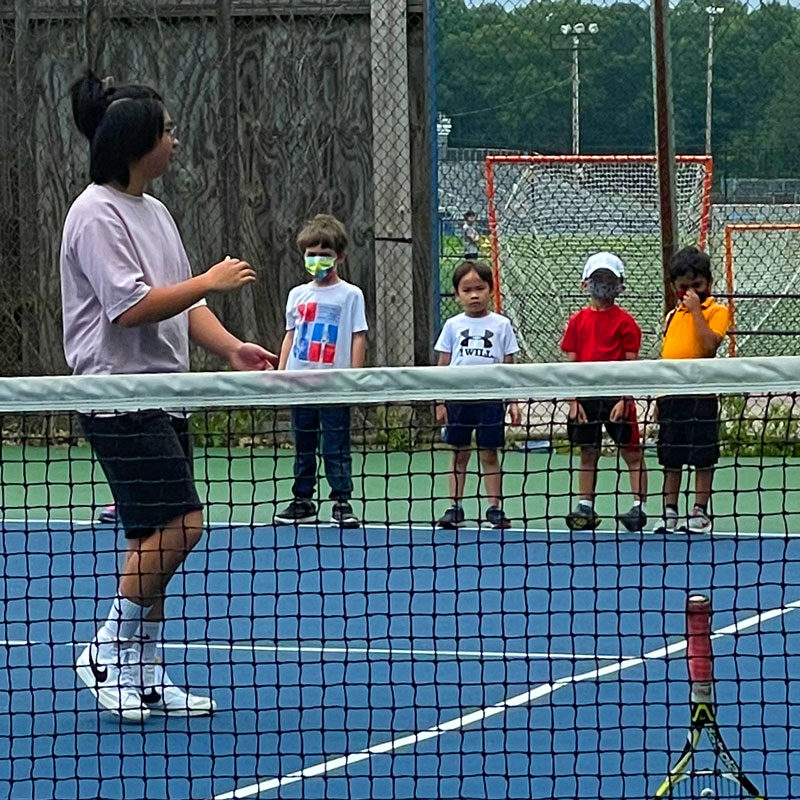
x=575, y=31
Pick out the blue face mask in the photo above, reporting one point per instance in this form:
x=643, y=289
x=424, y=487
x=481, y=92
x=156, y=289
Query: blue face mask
x=605, y=288
x=319, y=267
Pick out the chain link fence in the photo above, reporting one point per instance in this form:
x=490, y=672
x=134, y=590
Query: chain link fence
x=283, y=109
x=531, y=79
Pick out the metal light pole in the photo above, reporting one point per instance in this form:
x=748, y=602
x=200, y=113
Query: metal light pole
x=575, y=32
x=713, y=12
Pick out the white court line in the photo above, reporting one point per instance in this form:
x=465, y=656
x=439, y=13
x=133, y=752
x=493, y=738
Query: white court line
x=431, y=528
x=476, y=654
x=485, y=713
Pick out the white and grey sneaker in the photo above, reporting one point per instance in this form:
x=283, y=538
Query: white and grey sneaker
x=162, y=697
x=668, y=522
x=112, y=672
x=699, y=521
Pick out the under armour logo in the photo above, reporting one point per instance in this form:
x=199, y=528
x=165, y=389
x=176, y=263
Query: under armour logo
x=485, y=338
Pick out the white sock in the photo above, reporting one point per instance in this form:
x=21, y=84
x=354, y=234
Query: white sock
x=151, y=635
x=587, y=504
x=123, y=622
x=640, y=504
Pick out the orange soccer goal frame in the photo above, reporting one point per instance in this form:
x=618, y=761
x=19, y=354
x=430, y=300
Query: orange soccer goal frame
x=493, y=160
x=731, y=229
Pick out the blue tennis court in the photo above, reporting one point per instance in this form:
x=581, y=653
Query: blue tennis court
x=404, y=662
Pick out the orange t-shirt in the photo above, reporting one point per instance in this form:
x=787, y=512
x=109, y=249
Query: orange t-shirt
x=680, y=335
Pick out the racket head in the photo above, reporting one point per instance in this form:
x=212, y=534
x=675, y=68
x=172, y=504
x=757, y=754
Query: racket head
x=707, y=784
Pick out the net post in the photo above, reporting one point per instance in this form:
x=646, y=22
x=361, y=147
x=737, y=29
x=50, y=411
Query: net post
x=665, y=138
x=731, y=290
x=391, y=179
x=705, y=202
x=498, y=296
x=94, y=21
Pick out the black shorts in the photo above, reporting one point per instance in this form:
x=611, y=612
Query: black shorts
x=486, y=419
x=147, y=459
x=688, y=433
x=624, y=433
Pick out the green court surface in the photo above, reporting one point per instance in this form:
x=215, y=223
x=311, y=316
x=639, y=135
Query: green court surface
x=752, y=495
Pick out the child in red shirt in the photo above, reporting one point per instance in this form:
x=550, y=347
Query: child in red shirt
x=604, y=332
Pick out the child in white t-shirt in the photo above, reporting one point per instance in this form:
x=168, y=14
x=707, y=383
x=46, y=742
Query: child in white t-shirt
x=326, y=328
x=476, y=336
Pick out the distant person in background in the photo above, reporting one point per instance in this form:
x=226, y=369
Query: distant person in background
x=604, y=332
x=131, y=305
x=470, y=237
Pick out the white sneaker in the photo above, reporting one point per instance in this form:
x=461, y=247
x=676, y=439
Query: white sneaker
x=112, y=673
x=161, y=696
x=699, y=521
x=668, y=522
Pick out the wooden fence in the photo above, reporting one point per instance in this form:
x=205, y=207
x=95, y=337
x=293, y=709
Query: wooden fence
x=284, y=109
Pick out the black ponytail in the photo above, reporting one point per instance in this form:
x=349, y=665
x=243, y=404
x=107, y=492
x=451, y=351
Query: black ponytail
x=122, y=124
x=89, y=103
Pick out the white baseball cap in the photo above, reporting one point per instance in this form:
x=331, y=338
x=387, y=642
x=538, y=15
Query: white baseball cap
x=603, y=260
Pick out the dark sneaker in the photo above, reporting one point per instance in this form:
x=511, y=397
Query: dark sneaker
x=343, y=515
x=582, y=518
x=452, y=518
x=497, y=518
x=633, y=520
x=299, y=511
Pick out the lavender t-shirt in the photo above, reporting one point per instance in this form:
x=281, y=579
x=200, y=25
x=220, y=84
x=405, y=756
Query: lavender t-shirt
x=116, y=247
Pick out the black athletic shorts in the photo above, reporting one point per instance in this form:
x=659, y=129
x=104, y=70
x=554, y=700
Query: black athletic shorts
x=147, y=459
x=624, y=432
x=688, y=433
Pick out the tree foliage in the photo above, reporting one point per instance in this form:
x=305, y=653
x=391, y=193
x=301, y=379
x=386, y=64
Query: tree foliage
x=504, y=79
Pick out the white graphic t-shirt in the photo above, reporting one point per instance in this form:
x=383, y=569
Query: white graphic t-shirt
x=324, y=319
x=472, y=341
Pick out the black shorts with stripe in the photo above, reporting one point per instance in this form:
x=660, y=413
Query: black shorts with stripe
x=147, y=460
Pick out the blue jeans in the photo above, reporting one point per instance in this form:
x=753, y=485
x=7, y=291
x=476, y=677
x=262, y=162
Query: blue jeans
x=333, y=424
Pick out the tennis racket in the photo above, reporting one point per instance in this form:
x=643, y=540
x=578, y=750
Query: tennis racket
x=725, y=778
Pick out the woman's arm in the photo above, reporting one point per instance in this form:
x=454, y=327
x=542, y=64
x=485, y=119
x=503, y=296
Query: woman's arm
x=168, y=301
x=206, y=331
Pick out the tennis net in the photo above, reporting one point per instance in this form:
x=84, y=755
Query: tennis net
x=420, y=647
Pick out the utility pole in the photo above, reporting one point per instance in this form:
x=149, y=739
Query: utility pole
x=713, y=12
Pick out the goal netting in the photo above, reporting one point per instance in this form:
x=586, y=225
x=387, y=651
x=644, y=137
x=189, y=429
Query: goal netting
x=547, y=214
x=762, y=279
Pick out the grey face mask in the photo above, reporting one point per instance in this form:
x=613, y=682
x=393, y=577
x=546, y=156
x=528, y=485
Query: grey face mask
x=604, y=289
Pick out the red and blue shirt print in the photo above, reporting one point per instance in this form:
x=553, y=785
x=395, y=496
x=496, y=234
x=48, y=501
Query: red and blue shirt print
x=317, y=332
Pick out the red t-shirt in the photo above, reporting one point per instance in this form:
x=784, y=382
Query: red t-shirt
x=602, y=335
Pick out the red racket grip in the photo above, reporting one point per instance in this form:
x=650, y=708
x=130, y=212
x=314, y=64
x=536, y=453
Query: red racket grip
x=698, y=637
